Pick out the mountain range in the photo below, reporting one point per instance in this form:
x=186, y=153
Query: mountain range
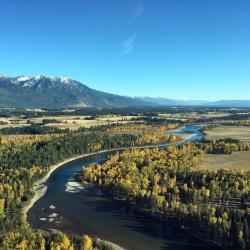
x=51, y=92
x=172, y=102
x=175, y=102
x=54, y=92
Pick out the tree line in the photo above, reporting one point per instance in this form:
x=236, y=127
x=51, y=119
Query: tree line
x=33, y=129
x=27, y=239
x=222, y=146
x=21, y=164
x=209, y=204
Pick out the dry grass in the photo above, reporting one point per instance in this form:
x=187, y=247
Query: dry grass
x=68, y=121
x=75, y=122
x=192, y=115
x=236, y=160
x=236, y=132
x=12, y=122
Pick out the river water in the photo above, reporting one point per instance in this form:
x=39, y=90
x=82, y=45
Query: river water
x=68, y=207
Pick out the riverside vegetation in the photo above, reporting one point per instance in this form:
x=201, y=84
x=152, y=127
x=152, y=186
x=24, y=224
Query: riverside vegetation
x=211, y=205
x=27, y=153
x=27, y=239
x=23, y=163
x=222, y=146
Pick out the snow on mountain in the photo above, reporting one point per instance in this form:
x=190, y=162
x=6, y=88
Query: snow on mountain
x=39, y=77
x=23, y=78
x=43, y=91
x=3, y=76
x=62, y=79
x=39, y=80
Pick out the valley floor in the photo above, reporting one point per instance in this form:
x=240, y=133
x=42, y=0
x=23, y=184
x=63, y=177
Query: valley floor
x=236, y=160
x=236, y=132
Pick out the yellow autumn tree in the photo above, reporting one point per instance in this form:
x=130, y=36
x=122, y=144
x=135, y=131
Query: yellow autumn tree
x=87, y=243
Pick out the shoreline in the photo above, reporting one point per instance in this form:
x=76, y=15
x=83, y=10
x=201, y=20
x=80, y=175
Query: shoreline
x=40, y=188
x=159, y=216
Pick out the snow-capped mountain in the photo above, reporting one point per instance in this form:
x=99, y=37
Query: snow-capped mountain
x=38, y=81
x=50, y=92
x=42, y=91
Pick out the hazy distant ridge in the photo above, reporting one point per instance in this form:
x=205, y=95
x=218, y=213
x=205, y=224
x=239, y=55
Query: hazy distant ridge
x=173, y=102
x=51, y=92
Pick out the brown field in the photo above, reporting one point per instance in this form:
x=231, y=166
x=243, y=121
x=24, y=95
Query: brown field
x=69, y=121
x=236, y=160
x=236, y=132
x=12, y=122
x=192, y=115
x=75, y=122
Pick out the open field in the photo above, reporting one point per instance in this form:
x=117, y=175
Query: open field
x=75, y=122
x=236, y=132
x=12, y=122
x=70, y=121
x=193, y=115
x=236, y=160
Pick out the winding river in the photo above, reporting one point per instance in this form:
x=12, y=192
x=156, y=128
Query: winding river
x=68, y=207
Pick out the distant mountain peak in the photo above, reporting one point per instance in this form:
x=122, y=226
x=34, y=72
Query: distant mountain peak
x=172, y=102
x=39, y=77
x=58, y=91
x=40, y=80
x=3, y=75
x=23, y=78
x=61, y=91
x=63, y=79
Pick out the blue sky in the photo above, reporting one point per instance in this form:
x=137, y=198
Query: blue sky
x=195, y=49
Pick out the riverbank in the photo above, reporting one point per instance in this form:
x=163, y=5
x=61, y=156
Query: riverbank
x=40, y=187
x=190, y=133
x=168, y=217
